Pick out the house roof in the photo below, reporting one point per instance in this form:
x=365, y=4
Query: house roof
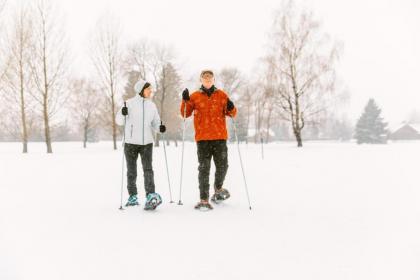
x=415, y=126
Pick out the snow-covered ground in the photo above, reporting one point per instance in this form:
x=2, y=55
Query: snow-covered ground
x=327, y=211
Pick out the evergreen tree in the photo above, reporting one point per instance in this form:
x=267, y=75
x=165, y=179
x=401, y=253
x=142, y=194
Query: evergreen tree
x=370, y=127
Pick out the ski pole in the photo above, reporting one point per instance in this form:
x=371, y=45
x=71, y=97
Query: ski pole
x=240, y=159
x=167, y=169
x=123, y=157
x=182, y=153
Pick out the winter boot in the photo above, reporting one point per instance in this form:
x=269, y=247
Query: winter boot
x=153, y=200
x=220, y=195
x=203, y=205
x=132, y=201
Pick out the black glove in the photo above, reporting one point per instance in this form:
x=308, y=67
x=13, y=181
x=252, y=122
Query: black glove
x=230, y=105
x=186, y=95
x=162, y=128
x=124, y=111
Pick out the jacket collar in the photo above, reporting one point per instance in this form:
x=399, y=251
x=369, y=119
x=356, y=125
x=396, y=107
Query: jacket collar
x=209, y=91
x=139, y=97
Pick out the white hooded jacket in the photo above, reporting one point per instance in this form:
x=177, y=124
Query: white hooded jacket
x=141, y=122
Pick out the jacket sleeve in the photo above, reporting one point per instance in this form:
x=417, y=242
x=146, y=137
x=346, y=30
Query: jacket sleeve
x=119, y=118
x=232, y=113
x=156, y=119
x=189, y=108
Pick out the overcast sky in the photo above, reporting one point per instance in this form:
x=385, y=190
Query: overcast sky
x=381, y=39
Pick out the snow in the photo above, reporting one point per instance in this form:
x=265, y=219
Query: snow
x=326, y=211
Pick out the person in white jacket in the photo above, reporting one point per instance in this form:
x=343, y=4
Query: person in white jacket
x=141, y=119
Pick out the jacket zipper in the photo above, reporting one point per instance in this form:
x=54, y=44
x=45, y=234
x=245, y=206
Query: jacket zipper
x=131, y=133
x=143, y=120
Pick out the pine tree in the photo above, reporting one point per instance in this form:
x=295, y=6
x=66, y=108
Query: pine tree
x=370, y=127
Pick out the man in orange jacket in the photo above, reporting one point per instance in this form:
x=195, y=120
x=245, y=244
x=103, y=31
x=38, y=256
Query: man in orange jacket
x=210, y=107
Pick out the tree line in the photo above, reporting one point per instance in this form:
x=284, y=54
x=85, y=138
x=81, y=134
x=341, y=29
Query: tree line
x=294, y=92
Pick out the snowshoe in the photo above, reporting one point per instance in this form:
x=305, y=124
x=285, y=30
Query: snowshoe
x=203, y=205
x=153, y=200
x=220, y=195
x=132, y=201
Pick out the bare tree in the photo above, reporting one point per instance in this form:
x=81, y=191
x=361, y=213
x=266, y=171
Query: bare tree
x=10, y=125
x=107, y=58
x=17, y=76
x=85, y=101
x=48, y=63
x=246, y=103
x=165, y=78
x=168, y=100
x=138, y=58
x=136, y=65
x=260, y=102
x=304, y=59
x=269, y=100
x=4, y=62
x=231, y=80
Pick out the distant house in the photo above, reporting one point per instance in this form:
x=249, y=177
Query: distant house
x=406, y=131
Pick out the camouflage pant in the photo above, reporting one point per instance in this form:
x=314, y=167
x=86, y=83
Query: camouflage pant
x=205, y=151
x=132, y=152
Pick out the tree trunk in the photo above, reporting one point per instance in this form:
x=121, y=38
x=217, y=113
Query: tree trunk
x=85, y=135
x=297, y=129
x=22, y=110
x=262, y=147
x=267, y=135
x=45, y=103
x=248, y=116
x=111, y=87
x=260, y=117
x=298, y=136
x=257, y=123
x=114, y=125
x=47, y=128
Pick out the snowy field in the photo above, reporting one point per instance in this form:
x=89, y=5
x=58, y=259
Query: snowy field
x=327, y=211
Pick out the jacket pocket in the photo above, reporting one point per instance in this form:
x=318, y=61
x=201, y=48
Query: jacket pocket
x=131, y=132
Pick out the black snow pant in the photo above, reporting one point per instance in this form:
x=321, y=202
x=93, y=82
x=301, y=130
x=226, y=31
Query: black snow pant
x=132, y=152
x=205, y=151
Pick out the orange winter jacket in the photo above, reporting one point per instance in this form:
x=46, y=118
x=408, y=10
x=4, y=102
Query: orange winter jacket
x=209, y=114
